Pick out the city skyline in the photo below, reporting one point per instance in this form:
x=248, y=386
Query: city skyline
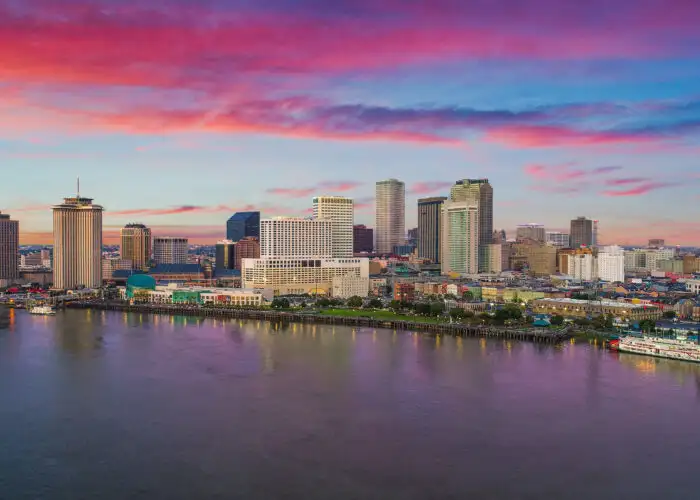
x=588, y=110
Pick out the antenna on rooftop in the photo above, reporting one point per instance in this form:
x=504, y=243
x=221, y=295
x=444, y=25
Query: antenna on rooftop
x=78, y=186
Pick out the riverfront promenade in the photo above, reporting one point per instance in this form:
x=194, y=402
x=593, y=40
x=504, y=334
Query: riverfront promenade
x=540, y=335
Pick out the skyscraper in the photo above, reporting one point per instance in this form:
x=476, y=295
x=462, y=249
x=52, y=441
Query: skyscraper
x=242, y=224
x=225, y=255
x=430, y=228
x=77, y=243
x=460, y=247
x=9, y=250
x=581, y=233
x=390, y=216
x=530, y=231
x=247, y=248
x=170, y=250
x=296, y=237
x=558, y=239
x=363, y=238
x=340, y=211
x=478, y=193
x=136, y=245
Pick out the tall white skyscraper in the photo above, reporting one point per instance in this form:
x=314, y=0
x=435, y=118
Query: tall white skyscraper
x=77, y=243
x=170, y=250
x=611, y=264
x=340, y=211
x=460, y=238
x=390, y=216
x=478, y=193
x=296, y=237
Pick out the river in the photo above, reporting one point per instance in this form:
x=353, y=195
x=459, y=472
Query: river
x=128, y=406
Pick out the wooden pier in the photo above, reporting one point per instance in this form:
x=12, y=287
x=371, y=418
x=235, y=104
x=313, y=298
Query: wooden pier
x=539, y=335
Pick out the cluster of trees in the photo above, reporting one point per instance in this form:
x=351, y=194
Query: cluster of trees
x=602, y=322
x=280, y=303
x=647, y=325
x=358, y=301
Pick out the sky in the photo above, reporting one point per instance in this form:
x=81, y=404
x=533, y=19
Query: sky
x=177, y=113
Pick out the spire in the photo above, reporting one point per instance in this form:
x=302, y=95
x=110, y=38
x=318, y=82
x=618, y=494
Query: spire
x=78, y=187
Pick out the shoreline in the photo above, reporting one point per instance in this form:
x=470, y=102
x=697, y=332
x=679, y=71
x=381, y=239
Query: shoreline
x=455, y=329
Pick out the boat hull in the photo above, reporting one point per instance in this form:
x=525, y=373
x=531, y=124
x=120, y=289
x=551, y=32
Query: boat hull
x=681, y=350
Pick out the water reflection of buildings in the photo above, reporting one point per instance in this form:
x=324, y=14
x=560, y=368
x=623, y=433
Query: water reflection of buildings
x=79, y=332
x=682, y=371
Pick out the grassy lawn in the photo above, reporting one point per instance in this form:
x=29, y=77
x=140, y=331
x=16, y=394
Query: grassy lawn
x=379, y=314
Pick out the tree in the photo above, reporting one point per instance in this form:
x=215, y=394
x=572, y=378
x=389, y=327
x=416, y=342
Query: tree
x=355, y=301
x=669, y=314
x=468, y=295
x=458, y=313
x=423, y=308
x=323, y=302
x=395, y=305
x=436, y=308
x=280, y=303
x=557, y=320
x=647, y=325
x=375, y=303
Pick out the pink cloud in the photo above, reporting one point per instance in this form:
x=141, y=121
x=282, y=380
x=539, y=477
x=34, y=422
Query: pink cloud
x=626, y=180
x=545, y=136
x=429, y=187
x=326, y=187
x=292, y=192
x=640, y=189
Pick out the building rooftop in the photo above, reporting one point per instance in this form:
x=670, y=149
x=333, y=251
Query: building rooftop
x=243, y=215
x=176, y=269
x=604, y=303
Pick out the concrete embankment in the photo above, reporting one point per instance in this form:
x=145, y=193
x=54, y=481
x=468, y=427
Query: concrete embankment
x=458, y=329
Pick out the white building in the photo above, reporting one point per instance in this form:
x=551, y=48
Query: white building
x=558, y=239
x=296, y=237
x=299, y=275
x=77, y=244
x=340, y=211
x=345, y=287
x=582, y=267
x=390, y=216
x=693, y=286
x=460, y=247
x=611, y=264
x=170, y=250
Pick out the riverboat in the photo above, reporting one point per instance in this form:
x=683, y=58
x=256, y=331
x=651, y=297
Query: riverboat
x=679, y=347
x=42, y=310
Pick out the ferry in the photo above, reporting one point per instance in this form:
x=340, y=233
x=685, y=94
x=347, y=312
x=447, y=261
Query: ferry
x=42, y=310
x=680, y=347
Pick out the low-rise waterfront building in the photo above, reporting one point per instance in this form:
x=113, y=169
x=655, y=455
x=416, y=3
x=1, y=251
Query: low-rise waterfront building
x=573, y=308
x=345, y=287
x=141, y=289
